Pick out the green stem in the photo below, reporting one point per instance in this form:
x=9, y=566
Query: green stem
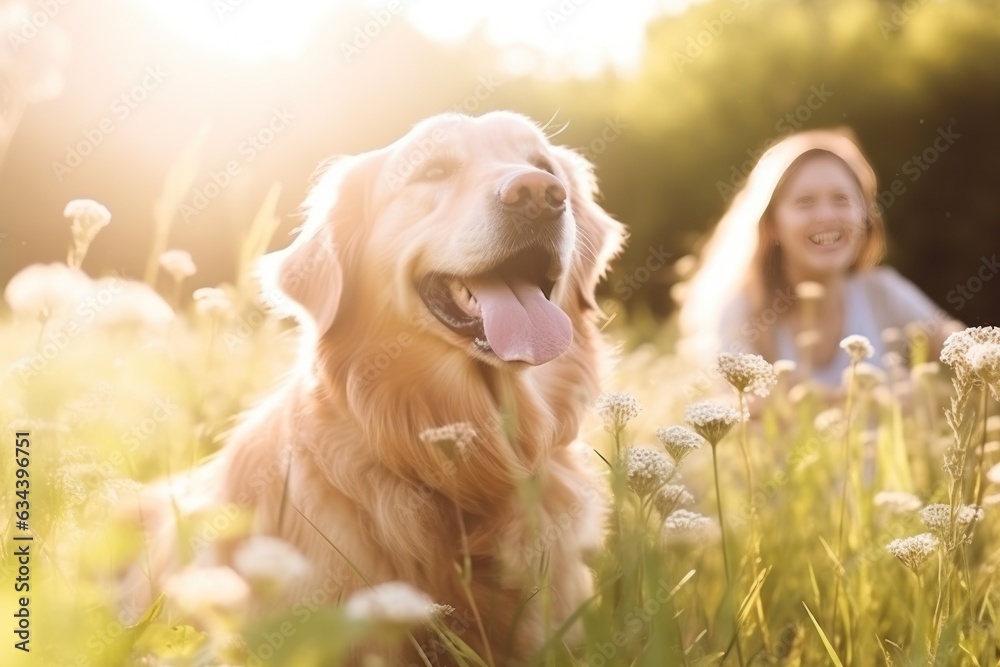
x=725, y=549
x=843, y=495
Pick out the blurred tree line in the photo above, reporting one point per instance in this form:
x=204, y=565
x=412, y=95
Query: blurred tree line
x=918, y=81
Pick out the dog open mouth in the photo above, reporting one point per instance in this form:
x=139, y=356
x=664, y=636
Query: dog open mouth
x=505, y=310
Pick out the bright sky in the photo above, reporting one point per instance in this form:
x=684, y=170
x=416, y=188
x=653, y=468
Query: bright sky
x=553, y=37
x=575, y=37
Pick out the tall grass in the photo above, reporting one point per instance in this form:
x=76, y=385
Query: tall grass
x=808, y=579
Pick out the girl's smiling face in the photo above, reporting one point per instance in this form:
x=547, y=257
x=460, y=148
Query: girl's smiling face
x=819, y=220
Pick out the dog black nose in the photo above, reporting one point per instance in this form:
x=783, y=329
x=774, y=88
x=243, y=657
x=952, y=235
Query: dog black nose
x=533, y=196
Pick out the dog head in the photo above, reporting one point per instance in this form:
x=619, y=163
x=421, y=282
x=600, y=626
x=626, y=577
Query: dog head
x=476, y=230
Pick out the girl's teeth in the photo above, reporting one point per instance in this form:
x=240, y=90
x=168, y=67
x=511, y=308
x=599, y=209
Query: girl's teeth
x=826, y=238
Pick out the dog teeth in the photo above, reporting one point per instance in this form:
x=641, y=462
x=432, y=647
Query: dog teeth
x=465, y=299
x=825, y=238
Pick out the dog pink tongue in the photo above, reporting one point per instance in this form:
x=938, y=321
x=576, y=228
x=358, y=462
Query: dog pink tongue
x=520, y=323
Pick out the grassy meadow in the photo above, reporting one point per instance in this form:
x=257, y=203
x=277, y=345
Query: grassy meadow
x=119, y=381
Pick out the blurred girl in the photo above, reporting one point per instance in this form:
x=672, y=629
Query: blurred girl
x=792, y=267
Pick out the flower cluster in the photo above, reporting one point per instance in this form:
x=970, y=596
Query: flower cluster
x=914, y=552
x=897, y=502
x=670, y=498
x=960, y=344
x=937, y=517
x=89, y=217
x=984, y=359
x=747, y=373
x=178, y=264
x=648, y=470
x=211, y=301
x=678, y=441
x=711, y=420
x=395, y=603
x=617, y=408
x=271, y=561
x=830, y=424
x=199, y=588
x=687, y=527
x=858, y=348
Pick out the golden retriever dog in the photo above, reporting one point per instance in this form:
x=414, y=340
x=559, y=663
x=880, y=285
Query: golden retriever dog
x=446, y=280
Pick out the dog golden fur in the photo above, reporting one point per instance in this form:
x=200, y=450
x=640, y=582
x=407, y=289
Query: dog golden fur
x=447, y=278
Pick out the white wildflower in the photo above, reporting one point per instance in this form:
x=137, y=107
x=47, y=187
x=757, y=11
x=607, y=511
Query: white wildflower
x=958, y=344
x=897, y=502
x=178, y=264
x=40, y=291
x=671, y=497
x=617, y=408
x=937, y=517
x=867, y=376
x=747, y=372
x=830, y=424
x=89, y=218
x=915, y=551
x=857, y=347
x=891, y=336
x=270, y=561
x=452, y=439
x=199, y=588
x=984, y=359
x=784, y=368
x=711, y=420
x=133, y=303
x=211, y=301
x=687, y=527
x=394, y=602
x=678, y=441
x=648, y=469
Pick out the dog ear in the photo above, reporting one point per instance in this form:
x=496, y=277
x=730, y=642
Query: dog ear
x=310, y=272
x=599, y=236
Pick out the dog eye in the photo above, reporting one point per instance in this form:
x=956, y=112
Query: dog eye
x=436, y=171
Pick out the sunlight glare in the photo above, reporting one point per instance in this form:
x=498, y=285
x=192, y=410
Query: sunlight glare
x=247, y=29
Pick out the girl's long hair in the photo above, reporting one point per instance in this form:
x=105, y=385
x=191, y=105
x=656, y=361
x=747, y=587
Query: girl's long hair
x=742, y=260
